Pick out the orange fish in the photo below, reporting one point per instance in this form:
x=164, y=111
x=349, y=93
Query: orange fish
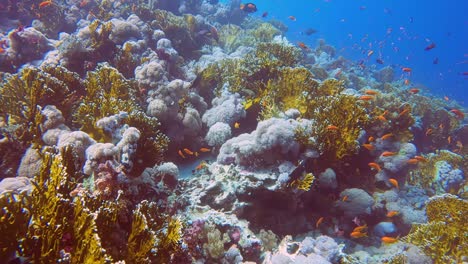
x=386, y=136
x=357, y=234
x=412, y=161
x=389, y=240
x=360, y=228
x=382, y=118
x=449, y=140
x=375, y=166
x=392, y=213
x=407, y=82
x=414, y=90
x=303, y=46
x=293, y=18
x=406, y=110
x=236, y=125
x=406, y=69
x=205, y=149
x=459, y=114
x=369, y=146
x=188, y=151
x=388, y=153
x=45, y=3
x=420, y=158
x=332, y=127
x=371, y=92
x=181, y=154
x=201, y=165
x=371, y=139
x=394, y=183
x=345, y=198
x=366, y=97
x=446, y=98
x=319, y=221
x=428, y=131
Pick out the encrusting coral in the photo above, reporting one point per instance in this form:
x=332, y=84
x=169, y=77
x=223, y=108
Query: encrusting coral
x=445, y=236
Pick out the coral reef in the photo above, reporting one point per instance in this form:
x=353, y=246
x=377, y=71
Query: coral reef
x=443, y=238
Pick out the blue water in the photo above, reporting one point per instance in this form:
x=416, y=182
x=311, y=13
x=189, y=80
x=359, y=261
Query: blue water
x=396, y=30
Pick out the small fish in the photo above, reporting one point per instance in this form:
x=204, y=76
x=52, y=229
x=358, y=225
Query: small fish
x=366, y=97
x=357, y=234
x=407, y=82
x=371, y=92
x=389, y=240
x=236, y=125
x=303, y=46
x=205, y=150
x=430, y=46
x=319, y=221
x=265, y=14
x=201, y=165
x=375, y=166
x=412, y=161
x=45, y=3
x=386, y=136
x=446, y=98
x=406, y=110
x=392, y=213
x=382, y=118
x=369, y=146
x=181, y=154
x=414, y=90
x=379, y=61
x=371, y=139
x=449, y=139
x=388, y=154
x=360, y=228
x=394, y=183
x=420, y=158
x=188, y=151
x=459, y=114
x=332, y=127
x=345, y=198
x=406, y=69
x=293, y=18
x=248, y=8
x=370, y=53
x=310, y=31
x=428, y=131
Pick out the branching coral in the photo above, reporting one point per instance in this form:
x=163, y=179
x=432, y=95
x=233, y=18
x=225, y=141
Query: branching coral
x=24, y=94
x=109, y=93
x=250, y=75
x=51, y=226
x=153, y=237
x=427, y=174
x=445, y=236
x=339, y=120
x=292, y=89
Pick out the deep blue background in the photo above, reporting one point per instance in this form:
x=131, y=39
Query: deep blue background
x=353, y=25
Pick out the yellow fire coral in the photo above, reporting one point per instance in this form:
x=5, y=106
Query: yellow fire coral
x=339, y=120
x=43, y=226
x=426, y=172
x=445, y=236
x=24, y=94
